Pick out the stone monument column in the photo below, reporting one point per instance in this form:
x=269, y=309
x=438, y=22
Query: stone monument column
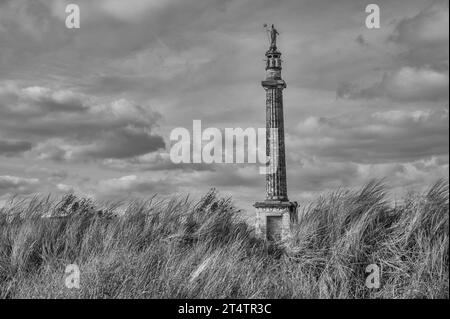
x=275, y=215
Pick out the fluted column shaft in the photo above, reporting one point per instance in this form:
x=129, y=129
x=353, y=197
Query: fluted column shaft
x=276, y=185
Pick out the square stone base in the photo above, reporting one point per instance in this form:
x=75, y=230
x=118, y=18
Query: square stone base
x=275, y=219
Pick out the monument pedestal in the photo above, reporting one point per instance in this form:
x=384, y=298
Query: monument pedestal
x=274, y=219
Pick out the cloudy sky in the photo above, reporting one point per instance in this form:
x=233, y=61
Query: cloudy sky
x=90, y=110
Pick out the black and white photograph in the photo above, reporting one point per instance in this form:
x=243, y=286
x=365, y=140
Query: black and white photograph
x=247, y=150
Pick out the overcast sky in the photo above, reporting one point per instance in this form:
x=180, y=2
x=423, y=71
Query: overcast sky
x=90, y=110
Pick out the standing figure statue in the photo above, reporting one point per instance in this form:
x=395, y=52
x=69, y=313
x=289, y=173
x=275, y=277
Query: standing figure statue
x=273, y=37
x=272, y=33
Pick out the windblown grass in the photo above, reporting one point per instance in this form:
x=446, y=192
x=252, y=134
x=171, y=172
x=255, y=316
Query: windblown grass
x=180, y=249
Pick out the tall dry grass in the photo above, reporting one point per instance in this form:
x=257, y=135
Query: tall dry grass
x=180, y=249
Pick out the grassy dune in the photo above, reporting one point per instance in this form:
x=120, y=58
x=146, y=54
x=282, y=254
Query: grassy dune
x=183, y=249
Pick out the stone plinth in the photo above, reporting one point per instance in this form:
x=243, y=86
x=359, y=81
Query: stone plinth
x=274, y=219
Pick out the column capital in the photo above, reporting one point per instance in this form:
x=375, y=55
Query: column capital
x=273, y=84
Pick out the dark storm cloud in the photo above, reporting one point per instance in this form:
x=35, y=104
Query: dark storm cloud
x=10, y=148
x=70, y=126
x=123, y=143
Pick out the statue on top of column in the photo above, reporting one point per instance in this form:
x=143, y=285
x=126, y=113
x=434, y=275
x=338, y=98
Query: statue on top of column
x=273, y=37
x=272, y=32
